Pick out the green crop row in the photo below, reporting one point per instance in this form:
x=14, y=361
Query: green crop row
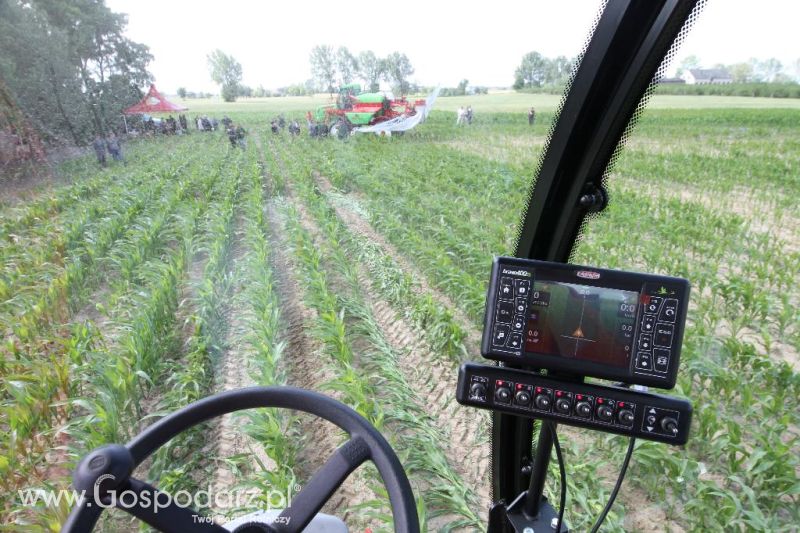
x=29, y=255
x=276, y=430
x=178, y=464
x=345, y=318
x=87, y=180
x=441, y=330
x=115, y=373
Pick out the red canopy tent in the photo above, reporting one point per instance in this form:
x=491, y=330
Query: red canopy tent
x=153, y=102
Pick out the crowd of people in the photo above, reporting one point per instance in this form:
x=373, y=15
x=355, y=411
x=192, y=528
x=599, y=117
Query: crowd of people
x=235, y=133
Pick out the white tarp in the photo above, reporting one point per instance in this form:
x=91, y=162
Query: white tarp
x=403, y=122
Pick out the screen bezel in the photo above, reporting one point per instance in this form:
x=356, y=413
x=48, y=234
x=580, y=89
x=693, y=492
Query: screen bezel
x=614, y=279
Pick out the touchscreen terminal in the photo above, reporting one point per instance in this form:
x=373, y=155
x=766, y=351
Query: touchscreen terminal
x=587, y=321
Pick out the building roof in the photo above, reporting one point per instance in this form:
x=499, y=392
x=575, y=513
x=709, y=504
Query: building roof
x=710, y=73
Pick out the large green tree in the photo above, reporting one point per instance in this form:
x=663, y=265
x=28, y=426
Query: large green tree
x=323, y=66
x=531, y=72
x=536, y=70
x=398, y=69
x=225, y=72
x=371, y=69
x=69, y=65
x=346, y=65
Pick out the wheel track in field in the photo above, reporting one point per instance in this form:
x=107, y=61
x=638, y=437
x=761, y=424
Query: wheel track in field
x=403, y=337
x=467, y=449
x=232, y=371
x=302, y=359
x=464, y=447
x=359, y=226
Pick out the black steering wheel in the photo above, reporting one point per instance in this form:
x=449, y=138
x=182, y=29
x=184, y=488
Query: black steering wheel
x=109, y=468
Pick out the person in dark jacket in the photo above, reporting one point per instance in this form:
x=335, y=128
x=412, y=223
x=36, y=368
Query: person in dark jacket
x=531, y=116
x=99, y=145
x=112, y=143
x=231, y=132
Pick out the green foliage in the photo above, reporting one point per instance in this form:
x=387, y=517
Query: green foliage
x=226, y=72
x=398, y=69
x=94, y=294
x=323, y=67
x=72, y=79
x=371, y=69
x=537, y=71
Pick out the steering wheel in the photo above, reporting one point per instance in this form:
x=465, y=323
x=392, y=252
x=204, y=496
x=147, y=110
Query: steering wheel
x=109, y=468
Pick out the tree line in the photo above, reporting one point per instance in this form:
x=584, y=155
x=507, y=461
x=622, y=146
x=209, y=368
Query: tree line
x=68, y=65
x=754, y=70
x=330, y=68
x=538, y=73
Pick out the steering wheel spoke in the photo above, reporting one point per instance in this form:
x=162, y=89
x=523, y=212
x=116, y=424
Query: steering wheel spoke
x=159, y=510
x=109, y=467
x=322, y=485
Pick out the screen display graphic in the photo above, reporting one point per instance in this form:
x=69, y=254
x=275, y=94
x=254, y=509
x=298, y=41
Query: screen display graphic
x=582, y=322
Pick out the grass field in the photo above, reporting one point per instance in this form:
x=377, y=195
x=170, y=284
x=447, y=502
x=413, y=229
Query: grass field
x=359, y=268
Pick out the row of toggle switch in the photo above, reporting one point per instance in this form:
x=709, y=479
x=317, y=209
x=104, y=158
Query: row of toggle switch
x=605, y=408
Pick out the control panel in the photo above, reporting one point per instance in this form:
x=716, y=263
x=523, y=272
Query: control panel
x=587, y=321
x=605, y=408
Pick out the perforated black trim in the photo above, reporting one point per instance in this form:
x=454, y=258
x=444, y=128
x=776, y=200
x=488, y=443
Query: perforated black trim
x=662, y=69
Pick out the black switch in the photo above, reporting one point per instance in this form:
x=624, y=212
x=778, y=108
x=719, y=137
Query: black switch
x=663, y=337
x=653, y=305
x=644, y=361
x=506, y=288
x=515, y=341
x=520, y=304
x=518, y=323
x=649, y=323
x=505, y=311
x=523, y=287
x=645, y=342
x=669, y=311
x=661, y=360
x=500, y=335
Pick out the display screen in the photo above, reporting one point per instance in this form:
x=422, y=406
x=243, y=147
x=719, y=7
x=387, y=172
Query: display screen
x=582, y=322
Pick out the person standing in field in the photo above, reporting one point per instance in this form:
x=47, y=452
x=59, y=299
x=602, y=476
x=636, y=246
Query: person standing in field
x=531, y=116
x=99, y=146
x=232, y=136
x=460, y=116
x=114, y=148
x=468, y=114
x=240, y=133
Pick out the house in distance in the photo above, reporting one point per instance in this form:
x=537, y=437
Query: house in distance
x=703, y=76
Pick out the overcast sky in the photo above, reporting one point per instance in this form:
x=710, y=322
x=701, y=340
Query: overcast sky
x=481, y=41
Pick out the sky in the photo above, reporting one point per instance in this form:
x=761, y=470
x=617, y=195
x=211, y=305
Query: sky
x=446, y=41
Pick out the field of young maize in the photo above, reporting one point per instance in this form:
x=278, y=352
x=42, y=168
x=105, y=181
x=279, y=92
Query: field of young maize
x=359, y=269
